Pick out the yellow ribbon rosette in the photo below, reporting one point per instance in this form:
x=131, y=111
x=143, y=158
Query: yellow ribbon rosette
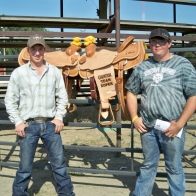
x=89, y=40
x=76, y=42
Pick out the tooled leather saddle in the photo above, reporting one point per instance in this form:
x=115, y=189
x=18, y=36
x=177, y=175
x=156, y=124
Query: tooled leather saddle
x=103, y=66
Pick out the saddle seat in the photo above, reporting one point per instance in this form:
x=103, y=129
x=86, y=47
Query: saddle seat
x=129, y=53
x=102, y=57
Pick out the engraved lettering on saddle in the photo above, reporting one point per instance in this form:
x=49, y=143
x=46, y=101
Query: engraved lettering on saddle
x=104, y=76
x=105, y=80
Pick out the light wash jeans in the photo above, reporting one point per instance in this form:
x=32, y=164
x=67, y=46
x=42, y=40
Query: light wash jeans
x=53, y=145
x=172, y=148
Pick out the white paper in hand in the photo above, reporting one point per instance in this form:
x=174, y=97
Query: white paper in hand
x=163, y=125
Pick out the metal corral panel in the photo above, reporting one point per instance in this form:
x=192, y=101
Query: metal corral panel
x=86, y=23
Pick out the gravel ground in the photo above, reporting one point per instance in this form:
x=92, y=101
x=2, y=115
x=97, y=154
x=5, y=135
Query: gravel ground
x=87, y=184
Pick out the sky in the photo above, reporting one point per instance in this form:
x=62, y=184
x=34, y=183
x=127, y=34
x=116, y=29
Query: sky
x=129, y=10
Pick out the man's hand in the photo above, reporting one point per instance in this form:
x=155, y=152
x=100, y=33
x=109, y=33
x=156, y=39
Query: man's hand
x=58, y=125
x=138, y=124
x=172, y=130
x=20, y=129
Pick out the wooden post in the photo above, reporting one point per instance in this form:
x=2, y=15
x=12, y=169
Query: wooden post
x=102, y=9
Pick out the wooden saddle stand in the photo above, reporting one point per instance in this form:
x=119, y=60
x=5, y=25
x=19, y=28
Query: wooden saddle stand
x=103, y=66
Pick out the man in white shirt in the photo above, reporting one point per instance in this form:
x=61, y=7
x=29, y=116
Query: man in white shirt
x=36, y=101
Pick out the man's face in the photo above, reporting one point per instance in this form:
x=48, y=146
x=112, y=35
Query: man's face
x=159, y=46
x=37, y=54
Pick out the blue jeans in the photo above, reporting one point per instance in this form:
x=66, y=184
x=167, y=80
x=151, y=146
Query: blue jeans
x=172, y=148
x=54, y=148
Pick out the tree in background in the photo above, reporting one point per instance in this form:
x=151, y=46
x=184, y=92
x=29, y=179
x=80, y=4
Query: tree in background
x=4, y=70
x=189, y=55
x=13, y=51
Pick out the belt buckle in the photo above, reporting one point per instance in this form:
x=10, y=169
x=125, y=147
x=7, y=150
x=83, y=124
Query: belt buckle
x=40, y=119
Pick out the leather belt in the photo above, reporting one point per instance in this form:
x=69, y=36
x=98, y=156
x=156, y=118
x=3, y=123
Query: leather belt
x=39, y=119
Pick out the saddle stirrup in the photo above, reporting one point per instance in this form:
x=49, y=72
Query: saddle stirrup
x=99, y=116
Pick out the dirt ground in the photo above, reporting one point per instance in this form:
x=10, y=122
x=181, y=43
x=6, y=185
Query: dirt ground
x=91, y=184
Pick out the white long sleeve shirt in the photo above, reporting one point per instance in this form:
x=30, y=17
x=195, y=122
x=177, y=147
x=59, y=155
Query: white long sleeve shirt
x=30, y=95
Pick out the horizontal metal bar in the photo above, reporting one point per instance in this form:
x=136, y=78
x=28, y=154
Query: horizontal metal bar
x=193, y=152
x=102, y=171
x=182, y=49
x=119, y=173
x=5, y=122
x=5, y=78
x=9, y=56
x=96, y=148
x=68, y=36
x=185, y=49
x=93, y=125
x=114, y=149
x=9, y=143
x=96, y=171
x=86, y=23
x=83, y=101
x=96, y=125
x=52, y=37
x=73, y=124
x=104, y=149
x=191, y=127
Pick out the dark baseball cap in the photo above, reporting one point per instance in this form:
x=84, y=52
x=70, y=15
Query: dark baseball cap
x=160, y=33
x=36, y=39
